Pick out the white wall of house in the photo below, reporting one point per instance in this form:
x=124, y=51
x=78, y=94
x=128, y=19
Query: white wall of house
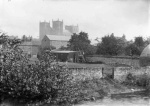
x=58, y=44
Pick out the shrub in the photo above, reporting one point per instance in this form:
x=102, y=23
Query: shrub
x=42, y=81
x=144, y=61
x=137, y=80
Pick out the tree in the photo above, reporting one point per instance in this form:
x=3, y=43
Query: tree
x=138, y=45
x=110, y=45
x=132, y=50
x=139, y=42
x=80, y=42
x=42, y=50
x=26, y=39
x=63, y=48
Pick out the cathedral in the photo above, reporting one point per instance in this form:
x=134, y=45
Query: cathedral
x=56, y=28
x=55, y=35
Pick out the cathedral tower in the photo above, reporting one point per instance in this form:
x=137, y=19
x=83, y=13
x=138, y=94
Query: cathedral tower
x=58, y=27
x=44, y=29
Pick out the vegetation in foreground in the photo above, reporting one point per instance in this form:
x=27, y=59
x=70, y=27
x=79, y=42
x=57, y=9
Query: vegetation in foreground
x=27, y=83
x=43, y=82
x=142, y=80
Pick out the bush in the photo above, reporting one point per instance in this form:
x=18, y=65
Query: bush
x=137, y=80
x=144, y=61
x=42, y=81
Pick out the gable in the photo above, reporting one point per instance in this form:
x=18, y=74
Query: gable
x=45, y=38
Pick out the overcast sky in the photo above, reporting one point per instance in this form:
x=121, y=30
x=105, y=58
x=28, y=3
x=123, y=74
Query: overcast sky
x=96, y=17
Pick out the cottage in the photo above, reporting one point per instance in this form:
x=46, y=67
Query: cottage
x=30, y=47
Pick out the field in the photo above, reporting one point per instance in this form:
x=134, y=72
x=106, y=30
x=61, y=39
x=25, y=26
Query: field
x=111, y=60
x=80, y=65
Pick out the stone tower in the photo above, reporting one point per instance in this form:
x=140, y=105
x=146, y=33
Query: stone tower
x=72, y=29
x=57, y=27
x=44, y=29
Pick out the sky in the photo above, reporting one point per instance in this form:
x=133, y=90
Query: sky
x=95, y=17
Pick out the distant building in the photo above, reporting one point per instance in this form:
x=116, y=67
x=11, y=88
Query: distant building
x=30, y=47
x=44, y=29
x=72, y=29
x=54, y=40
x=56, y=29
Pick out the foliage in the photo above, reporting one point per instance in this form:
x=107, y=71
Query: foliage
x=144, y=61
x=137, y=80
x=63, y=48
x=110, y=45
x=26, y=39
x=80, y=42
x=5, y=42
x=43, y=81
x=139, y=42
x=132, y=50
x=41, y=50
x=136, y=47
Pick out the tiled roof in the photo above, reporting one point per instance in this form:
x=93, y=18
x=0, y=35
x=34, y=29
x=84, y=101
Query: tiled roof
x=59, y=37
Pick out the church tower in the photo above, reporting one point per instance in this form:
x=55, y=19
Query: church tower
x=44, y=29
x=57, y=27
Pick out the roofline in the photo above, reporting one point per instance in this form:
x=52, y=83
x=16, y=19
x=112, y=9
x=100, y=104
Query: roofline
x=59, y=40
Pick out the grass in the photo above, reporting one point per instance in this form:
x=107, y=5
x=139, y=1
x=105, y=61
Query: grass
x=81, y=65
x=127, y=61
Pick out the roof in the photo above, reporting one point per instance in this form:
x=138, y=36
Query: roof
x=54, y=51
x=59, y=37
x=146, y=52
